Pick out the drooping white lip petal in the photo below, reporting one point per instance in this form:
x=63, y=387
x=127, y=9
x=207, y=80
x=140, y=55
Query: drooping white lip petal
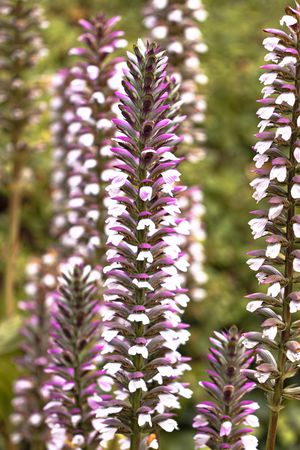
x=226, y=428
x=160, y=4
x=254, y=305
x=252, y=421
x=275, y=211
x=160, y=32
x=262, y=146
x=274, y=289
x=270, y=333
x=268, y=78
x=288, y=20
x=297, y=153
x=286, y=97
x=146, y=193
x=169, y=425
x=295, y=191
x=296, y=265
x=255, y=263
x=270, y=43
x=250, y=442
x=296, y=229
x=273, y=250
x=266, y=112
x=284, y=132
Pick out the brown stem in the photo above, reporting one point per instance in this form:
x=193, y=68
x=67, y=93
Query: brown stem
x=271, y=439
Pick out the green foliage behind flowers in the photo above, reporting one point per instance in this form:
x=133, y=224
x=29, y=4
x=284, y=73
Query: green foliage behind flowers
x=233, y=34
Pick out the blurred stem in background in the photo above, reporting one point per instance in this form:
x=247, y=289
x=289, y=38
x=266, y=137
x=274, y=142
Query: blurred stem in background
x=11, y=250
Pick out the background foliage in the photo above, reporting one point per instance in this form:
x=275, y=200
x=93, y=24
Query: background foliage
x=233, y=34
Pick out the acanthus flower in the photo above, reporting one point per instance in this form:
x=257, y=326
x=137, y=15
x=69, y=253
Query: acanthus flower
x=30, y=390
x=277, y=185
x=84, y=106
x=192, y=235
x=176, y=25
x=73, y=361
x=21, y=47
x=142, y=289
x=228, y=420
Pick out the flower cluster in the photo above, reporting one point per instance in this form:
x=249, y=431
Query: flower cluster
x=143, y=328
x=74, y=353
x=20, y=48
x=82, y=128
x=227, y=422
x=175, y=23
x=190, y=203
x=277, y=186
x=28, y=418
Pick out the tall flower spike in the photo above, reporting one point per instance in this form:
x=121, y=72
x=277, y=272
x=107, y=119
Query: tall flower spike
x=144, y=298
x=227, y=421
x=31, y=395
x=194, y=278
x=20, y=48
x=277, y=186
x=74, y=353
x=175, y=23
x=83, y=130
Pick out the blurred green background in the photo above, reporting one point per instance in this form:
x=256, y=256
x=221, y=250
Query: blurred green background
x=233, y=34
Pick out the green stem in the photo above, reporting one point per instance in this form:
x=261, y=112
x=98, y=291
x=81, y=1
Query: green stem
x=275, y=403
x=135, y=438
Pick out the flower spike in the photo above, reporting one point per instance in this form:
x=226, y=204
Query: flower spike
x=30, y=390
x=21, y=47
x=143, y=328
x=83, y=109
x=73, y=363
x=175, y=24
x=277, y=187
x=227, y=421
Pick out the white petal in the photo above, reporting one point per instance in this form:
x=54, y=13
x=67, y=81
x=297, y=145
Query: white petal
x=146, y=193
x=296, y=229
x=252, y=421
x=284, y=132
x=255, y=263
x=169, y=425
x=270, y=43
x=262, y=146
x=297, y=154
x=270, y=333
x=288, y=20
x=275, y=211
x=295, y=191
x=254, y=305
x=274, y=289
x=296, y=265
x=160, y=32
x=273, y=250
x=249, y=442
x=288, y=98
x=266, y=112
